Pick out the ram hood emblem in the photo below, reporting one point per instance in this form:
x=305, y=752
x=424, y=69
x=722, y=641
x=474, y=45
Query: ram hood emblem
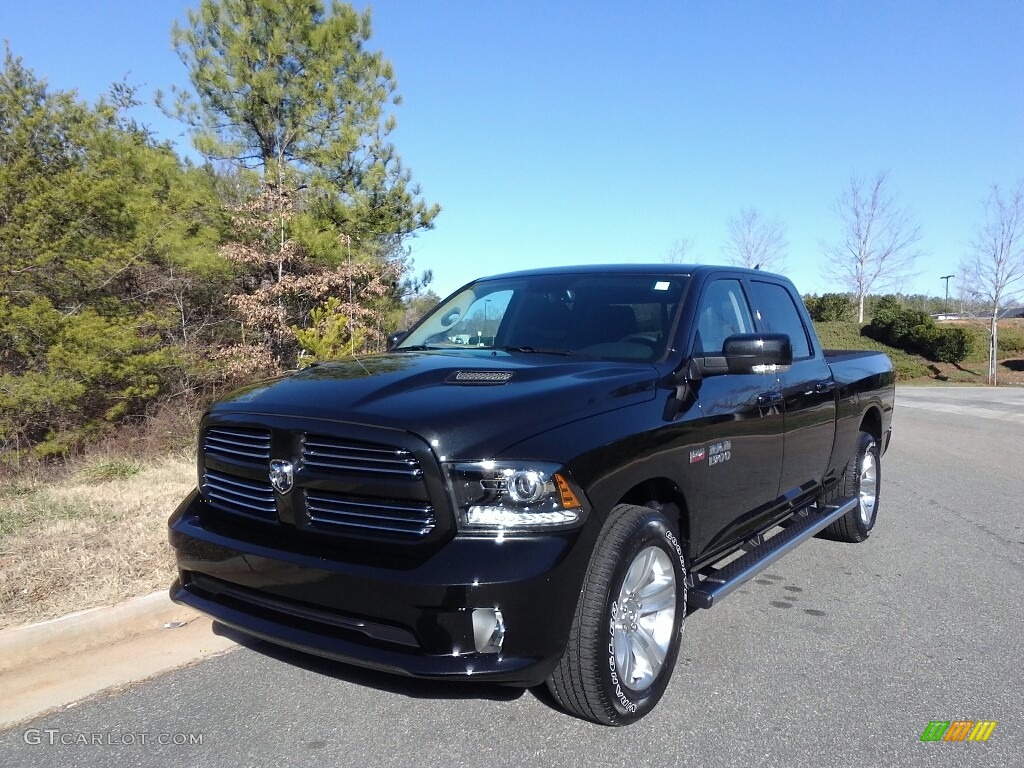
x=282, y=475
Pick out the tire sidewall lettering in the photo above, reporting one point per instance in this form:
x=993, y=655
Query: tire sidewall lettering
x=652, y=532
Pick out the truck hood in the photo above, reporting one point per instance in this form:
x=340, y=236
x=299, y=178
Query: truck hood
x=468, y=404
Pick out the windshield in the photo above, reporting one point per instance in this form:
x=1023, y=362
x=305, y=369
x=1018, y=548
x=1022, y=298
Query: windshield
x=609, y=316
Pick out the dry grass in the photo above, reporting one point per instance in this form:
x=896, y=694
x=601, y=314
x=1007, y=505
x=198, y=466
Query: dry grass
x=95, y=538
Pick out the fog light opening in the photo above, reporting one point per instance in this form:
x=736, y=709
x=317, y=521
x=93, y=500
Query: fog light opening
x=488, y=630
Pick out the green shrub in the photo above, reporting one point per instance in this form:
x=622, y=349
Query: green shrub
x=905, y=327
x=88, y=373
x=885, y=306
x=951, y=345
x=914, y=331
x=1011, y=341
x=829, y=307
x=848, y=335
x=920, y=338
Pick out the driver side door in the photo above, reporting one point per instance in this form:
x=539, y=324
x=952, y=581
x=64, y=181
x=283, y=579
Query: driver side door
x=742, y=417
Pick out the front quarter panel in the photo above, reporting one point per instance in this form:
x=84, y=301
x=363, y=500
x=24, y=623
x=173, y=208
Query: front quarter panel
x=611, y=453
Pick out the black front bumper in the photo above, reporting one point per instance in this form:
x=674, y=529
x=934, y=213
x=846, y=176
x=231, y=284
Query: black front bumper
x=409, y=617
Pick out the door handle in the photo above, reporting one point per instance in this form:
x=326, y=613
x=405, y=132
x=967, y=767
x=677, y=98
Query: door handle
x=824, y=386
x=768, y=399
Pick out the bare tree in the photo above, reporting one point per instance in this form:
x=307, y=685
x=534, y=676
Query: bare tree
x=878, y=239
x=680, y=252
x=995, y=264
x=755, y=242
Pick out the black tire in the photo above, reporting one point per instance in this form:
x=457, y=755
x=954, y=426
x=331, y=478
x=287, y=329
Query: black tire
x=589, y=681
x=863, y=470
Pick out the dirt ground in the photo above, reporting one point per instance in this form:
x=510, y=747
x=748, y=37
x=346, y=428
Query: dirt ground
x=1010, y=373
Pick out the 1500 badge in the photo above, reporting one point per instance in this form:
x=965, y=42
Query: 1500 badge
x=719, y=452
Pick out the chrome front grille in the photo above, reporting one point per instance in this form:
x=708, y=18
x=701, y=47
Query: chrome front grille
x=239, y=495
x=365, y=484
x=341, y=514
x=351, y=457
x=237, y=443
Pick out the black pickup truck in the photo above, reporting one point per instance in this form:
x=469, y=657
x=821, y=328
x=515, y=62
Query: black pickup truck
x=538, y=482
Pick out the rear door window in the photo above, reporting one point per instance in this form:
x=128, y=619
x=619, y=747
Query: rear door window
x=778, y=314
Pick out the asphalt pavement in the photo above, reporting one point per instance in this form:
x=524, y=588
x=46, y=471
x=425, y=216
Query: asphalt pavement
x=839, y=655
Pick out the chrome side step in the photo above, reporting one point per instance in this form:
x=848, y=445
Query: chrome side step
x=712, y=584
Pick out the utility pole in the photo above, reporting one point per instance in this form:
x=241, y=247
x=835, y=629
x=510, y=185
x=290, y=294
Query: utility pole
x=945, y=307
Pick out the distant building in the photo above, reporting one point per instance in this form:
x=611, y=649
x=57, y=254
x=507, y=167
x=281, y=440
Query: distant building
x=1008, y=313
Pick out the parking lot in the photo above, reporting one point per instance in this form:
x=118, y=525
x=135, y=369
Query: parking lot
x=839, y=655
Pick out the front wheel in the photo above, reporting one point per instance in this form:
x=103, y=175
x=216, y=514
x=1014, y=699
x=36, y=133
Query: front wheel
x=861, y=479
x=627, y=628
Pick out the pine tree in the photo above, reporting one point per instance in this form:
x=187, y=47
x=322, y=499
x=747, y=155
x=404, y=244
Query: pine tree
x=289, y=90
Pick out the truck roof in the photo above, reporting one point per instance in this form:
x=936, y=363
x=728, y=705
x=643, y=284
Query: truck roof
x=690, y=270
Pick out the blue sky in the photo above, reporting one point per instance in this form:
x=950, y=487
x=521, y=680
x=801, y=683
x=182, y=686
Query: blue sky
x=578, y=132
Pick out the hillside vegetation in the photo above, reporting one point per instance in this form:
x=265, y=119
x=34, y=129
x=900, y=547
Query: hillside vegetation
x=915, y=368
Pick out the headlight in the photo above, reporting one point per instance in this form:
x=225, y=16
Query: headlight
x=493, y=495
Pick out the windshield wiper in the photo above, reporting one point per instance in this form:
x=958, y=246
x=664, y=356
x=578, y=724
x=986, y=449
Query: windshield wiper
x=415, y=348
x=539, y=350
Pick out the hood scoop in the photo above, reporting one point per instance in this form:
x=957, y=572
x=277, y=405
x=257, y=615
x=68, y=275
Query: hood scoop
x=479, y=377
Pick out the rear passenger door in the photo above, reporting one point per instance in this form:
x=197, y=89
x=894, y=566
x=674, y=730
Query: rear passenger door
x=807, y=390
x=741, y=415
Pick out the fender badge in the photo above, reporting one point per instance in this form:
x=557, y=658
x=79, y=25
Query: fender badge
x=696, y=454
x=282, y=475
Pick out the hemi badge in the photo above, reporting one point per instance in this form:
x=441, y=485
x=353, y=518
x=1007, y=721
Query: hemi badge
x=696, y=454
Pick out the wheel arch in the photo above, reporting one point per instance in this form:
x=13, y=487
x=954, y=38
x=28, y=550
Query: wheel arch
x=667, y=497
x=871, y=422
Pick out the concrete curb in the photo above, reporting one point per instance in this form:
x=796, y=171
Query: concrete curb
x=55, y=664
x=88, y=629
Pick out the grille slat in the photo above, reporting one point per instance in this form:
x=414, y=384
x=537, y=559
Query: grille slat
x=237, y=442
x=341, y=455
x=385, y=516
x=239, y=495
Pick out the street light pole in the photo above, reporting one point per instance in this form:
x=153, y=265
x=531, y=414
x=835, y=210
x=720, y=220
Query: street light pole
x=945, y=307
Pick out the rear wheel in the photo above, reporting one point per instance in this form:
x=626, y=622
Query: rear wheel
x=861, y=480
x=626, y=632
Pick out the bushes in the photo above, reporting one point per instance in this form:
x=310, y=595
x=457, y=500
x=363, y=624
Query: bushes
x=951, y=345
x=1011, y=341
x=829, y=307
x=915, y=331
x=847, y=335
x=64, y=379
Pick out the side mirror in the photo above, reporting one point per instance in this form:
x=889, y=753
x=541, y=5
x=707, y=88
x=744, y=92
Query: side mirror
x=749, y=353
x=396, y=338
x=757, y=353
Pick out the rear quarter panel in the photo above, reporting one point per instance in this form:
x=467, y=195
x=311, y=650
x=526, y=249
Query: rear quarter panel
x=865, y=386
